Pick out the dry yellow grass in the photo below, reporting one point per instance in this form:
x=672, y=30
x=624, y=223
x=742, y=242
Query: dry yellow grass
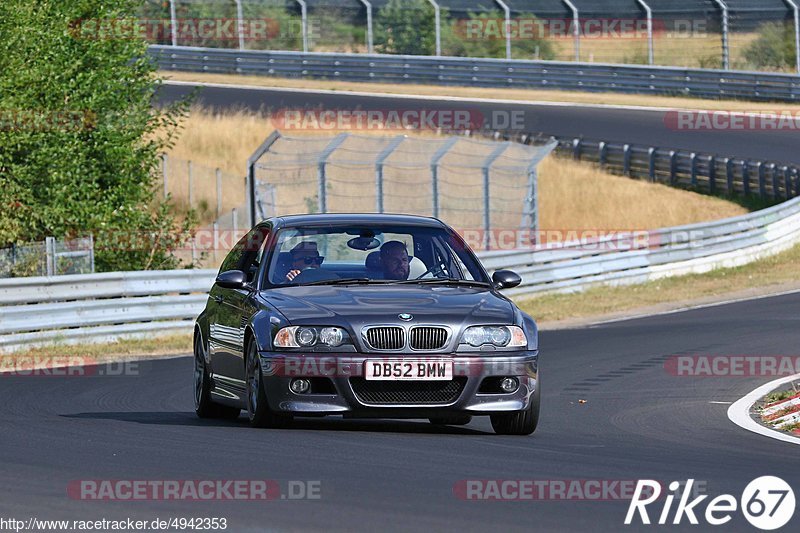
x=573, y=195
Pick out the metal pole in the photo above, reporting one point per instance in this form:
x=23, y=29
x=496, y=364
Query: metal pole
x=235, y=223
x=370, y=37
x=533, y=178
x=393, y=144
x=240, y=23
x=173, y=21
x=438, y=21
x=487, y=199
x=219, y=193
x=507, y=11
x=164, y=173
x=250, y=179
x=437, y=157
x=796, y=9
x=725, y=50
x=649, y=12
x=50, y=252
x=577, y=29
x=304, y=15
x=191, y=184
x=322, y=178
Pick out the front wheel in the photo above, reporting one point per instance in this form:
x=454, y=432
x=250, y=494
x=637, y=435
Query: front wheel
x=258, y=410
x=521, y=422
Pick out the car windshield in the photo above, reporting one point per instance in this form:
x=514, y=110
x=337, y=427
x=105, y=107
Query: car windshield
x=372, y=253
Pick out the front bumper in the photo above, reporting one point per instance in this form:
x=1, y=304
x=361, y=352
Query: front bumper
x=279, y=369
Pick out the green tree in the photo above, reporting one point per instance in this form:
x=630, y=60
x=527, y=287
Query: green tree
x=406, y=27
x=774, y=48
x=79, y=137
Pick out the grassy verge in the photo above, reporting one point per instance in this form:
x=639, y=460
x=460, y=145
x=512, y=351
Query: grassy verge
x=125, y=348
x=767, y=273
x=530, y=95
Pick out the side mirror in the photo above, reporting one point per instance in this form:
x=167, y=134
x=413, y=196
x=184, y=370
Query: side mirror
x=232, y=279
x=506, y=279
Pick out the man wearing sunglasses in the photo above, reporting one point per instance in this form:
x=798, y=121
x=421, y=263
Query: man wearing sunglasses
x=304, y=255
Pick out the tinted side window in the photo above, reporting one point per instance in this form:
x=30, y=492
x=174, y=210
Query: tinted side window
x=233, y=258
x=247, y=251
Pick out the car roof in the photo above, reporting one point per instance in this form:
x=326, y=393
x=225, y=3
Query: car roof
x=356, y=218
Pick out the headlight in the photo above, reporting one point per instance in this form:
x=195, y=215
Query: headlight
x=501, y=336
x=308, y=336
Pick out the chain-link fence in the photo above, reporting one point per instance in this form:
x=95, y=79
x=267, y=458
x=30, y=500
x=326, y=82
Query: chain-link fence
x=474, y=185
x=50, y=257
x=742, y=34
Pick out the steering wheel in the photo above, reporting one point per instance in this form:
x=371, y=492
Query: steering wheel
x=435, y=270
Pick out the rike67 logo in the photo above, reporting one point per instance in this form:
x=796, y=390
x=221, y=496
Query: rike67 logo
x=767, y=503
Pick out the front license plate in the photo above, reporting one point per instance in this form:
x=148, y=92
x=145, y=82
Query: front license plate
x=408, y=369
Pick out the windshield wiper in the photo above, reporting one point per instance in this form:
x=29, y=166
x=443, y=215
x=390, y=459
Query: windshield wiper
x=340, y=281
x=448, y=281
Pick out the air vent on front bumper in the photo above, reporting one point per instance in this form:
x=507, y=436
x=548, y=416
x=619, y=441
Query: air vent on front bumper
x=386, y=338
x=427, y=338
x=407, y=392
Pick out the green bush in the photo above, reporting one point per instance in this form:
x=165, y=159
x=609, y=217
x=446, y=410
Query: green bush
x=406, y=27
x=774, y=48
x=79, y=138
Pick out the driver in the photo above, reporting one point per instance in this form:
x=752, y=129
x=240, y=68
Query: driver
x=304, y=255
x=394, y=260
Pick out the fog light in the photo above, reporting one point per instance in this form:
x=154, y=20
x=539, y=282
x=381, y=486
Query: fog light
x=509, y=385
x=300, y=386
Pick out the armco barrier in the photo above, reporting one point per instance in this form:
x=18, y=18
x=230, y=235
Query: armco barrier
x=102, y=306
x=472, y=72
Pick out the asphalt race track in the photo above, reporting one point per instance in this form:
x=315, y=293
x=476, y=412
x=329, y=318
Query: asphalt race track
x=573, y=120
x=639, y=421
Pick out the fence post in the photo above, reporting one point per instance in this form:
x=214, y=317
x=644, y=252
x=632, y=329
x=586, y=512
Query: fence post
x=370, y=37
x=487, y=210
x=437, y=157
x=191, y=185
x=712, y=174
x=729, y=176
x=173, y=19
x=762, y=180
x=304, y=22
x=651, y=171
x=216, y=241
x=626, y=160
x=379, y=162
x=602, y=154
x=576, y=149
x=725, y=50
x=164, y=173
x=219, y=193
x=576, y=30
x=672, y=167
x=693, y=169
x=50, y=255
x=773, y=169
x=437, y=16
x=322, y=179
x=240, y=23
x=91, y=253
x=746, y=177
x=507, y=25
x=649, y=12
x=796, y=11
x=787, y=183
x=235, y=223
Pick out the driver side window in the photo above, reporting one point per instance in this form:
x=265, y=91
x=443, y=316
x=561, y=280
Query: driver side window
x=247, y=253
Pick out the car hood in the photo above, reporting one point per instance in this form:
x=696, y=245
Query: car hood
x=360, y=305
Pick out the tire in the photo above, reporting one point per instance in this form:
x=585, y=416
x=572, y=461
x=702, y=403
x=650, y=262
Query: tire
x=452, y=420
x=521, y=422
x=258, y=411
x=204, y=407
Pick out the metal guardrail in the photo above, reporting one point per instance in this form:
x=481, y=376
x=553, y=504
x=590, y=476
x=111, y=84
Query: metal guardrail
x=103, y=306
x=706, y=173
x=479, y=72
